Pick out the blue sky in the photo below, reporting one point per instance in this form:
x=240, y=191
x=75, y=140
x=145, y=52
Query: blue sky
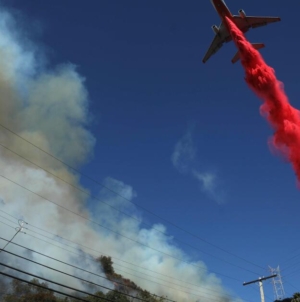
x=186, y=136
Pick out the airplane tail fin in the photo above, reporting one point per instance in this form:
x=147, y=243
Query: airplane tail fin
x=237, y=55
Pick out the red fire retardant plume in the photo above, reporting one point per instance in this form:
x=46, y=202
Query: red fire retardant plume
x=284, y=119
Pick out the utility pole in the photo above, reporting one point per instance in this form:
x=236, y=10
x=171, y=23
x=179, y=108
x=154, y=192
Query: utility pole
x=261, y=289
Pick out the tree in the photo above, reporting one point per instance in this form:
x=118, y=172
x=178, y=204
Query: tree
x=23, y=292
x=107, y=265
x=94, y=299
x=116, y=296
x=145, y=295
x=296, y=297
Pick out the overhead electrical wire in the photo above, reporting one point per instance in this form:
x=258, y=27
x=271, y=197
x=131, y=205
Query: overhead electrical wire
x=87, y=247
x=293, y=286
x=18, y=230
x=77, y=267
x=193, y=294
x=94, y=258
x=7, y=224
x=292, y=257
x=50, y=290
x=89, y=194
x=56, y=283
x=81, y=279
x=92, y=283
x=291, y=273
x=7, y=218
x=114, y=258
x=123, y=197
x=117, y=233
x=258, y=291
x=44, y=287
x=201, y=292
x=51, y=281
x=291, y=265
x=71, y=240
x=92, y=250
x=136, y=219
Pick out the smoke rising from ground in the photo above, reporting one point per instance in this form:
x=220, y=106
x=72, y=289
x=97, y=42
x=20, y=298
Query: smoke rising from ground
x=50, y=109
x=284, y=119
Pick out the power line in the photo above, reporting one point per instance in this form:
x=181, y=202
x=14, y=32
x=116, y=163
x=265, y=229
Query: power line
x=292, y=257
x=7, y=225
x=53, y=282
x=123, y=197
x=121, y=293
x=74, y=266
x=90, y=249
x=7, y=218
x=257, y=290
x=9, y=295
x=81, y=279
x=117, y=264
x=111, y=257
x=117, y=233
x=90, y=195
x=291, y=273
x=292, y=265
x=71, y=265
x=201, y=293
x=103, y=254
x=290, y=284
x=41, y=286
x=147, y=269
x=18, y=230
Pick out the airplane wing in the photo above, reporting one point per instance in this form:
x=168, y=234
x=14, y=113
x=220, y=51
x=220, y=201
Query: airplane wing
x=252, y=22
x=218, y=41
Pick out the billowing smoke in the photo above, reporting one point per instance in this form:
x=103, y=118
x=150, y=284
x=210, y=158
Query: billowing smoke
x=50, y=109
x=284, y=119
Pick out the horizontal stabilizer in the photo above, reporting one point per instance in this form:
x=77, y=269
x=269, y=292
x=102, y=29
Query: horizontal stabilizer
x=254, y=45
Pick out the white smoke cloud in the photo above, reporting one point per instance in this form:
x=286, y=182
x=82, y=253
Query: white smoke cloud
x=172, y=261
x=50, y=109
x=209, y=184
x=184, y=160
x=184, y=153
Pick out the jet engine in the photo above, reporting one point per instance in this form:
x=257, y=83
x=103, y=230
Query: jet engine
x=215, y=29
x=242, y=14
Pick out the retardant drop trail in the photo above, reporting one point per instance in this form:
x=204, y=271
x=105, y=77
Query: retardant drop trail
x=284, y=119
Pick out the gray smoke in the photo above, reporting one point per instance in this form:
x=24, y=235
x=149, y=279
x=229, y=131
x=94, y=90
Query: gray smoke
x=50, y=109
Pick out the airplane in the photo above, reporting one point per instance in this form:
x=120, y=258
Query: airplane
x=243, y=22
